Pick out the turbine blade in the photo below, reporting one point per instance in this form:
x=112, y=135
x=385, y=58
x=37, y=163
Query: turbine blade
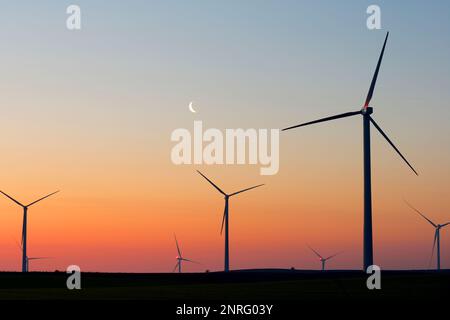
x=235, y=193
x=375, y=75
x=225, y=212
x=334, y=255
x=339, y=116
x=176, y=266
x=432, y=223
x=178, y=248
x=215, y=186
x=443, y=225
x=432, y=250
x=192, y=261
x=12, y=199
x=42, y=198
x=19, y=245
x=317, y=254
x=38, y=258
x=392, y=144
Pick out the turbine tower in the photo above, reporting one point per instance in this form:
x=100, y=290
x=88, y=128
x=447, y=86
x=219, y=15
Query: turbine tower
x=24, y=226
x=365, y=112
x=322, y=259
x=225, y=217
x=437, y=237
x=180, y=257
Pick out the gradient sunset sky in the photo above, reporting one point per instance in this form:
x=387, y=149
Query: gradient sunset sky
x=90, y=112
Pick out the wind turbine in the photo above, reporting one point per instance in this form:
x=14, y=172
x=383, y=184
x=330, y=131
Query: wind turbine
x=225, y=217
x=32, y=258
x=24, y=227
x=365, y=112
x=180, y=257
x=322, y=259
x=437, y=237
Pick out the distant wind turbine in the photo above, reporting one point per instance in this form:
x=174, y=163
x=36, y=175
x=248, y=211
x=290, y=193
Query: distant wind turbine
x=30, y=258
x=180, y=257
x=437, y=237
x=366, y=111
x=34, y=258
x=225, y=217
x=322, y=259
x=24, y=226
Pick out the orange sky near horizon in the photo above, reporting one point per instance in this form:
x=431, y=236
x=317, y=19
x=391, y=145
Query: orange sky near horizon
x=120, y=215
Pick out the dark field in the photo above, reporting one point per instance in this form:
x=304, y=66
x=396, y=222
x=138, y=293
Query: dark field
x=247, y=285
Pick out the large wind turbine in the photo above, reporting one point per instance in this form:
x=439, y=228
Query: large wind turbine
x=365, y=112
x=322, y=259
x=24, y=226
x=180, y=257
x=437, y=237
x=225, y=217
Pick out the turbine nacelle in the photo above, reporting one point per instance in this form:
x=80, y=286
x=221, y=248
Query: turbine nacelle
x=366, y=110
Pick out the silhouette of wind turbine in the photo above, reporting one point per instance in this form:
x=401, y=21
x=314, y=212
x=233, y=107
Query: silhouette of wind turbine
x=322, y=259
x=225, y=217
x=180, y=257
x=366, y=111
x=24, y=226
x=32, y=258
x=437, y=237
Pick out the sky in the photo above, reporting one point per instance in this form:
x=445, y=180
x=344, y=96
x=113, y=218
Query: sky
x=90, y=113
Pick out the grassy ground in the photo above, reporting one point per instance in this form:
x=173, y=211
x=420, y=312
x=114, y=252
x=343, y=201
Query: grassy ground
x=257, y=285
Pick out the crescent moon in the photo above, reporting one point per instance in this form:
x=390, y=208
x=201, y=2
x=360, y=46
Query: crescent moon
x=191, y=108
